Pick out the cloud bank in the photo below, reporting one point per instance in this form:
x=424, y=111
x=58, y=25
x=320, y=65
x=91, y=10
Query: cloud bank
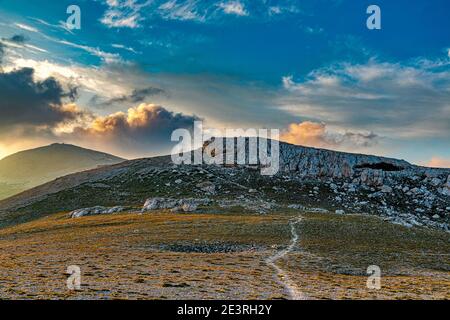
x=402, y=100
x=38, y=110
x=314, y=134
x=142, y=130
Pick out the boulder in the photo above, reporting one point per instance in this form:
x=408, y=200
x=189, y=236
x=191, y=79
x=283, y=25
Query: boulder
x=446, y=188
x=435, y=182
x=189, y=205
x=296, y=207
x=445, y=191
x=97, y=210
x=207, y=186
x=159, y=203
x=175, y=205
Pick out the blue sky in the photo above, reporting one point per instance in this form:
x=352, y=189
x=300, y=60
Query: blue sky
x=309, y=68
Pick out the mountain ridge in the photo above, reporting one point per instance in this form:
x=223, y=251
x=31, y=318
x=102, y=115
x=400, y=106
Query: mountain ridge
x=308, y=177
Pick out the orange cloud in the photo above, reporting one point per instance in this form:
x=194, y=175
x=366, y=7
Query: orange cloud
x=314, y=134
x=142, y=130
x=311, y=134
x=143, y=117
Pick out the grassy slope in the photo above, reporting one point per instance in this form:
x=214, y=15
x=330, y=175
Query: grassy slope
x=136, y=256
x=336, y=251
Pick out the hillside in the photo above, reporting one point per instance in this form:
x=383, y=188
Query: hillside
x=29, y=168
x=309, y=178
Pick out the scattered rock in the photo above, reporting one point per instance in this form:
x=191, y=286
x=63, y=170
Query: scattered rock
x=95, y=211
x=188, y=205
x=175, y=205
x=159, y=203
x=207, y=186
x=435, y=182
x=317, y=210
x=296, y=207
x=371, y=177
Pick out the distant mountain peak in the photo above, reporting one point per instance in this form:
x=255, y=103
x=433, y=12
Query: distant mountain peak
x=29, y=168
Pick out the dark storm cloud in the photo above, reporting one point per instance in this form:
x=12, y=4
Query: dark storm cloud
x=33, y=109
x=24, y=101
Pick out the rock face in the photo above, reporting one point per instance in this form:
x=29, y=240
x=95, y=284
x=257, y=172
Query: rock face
x=394, y=189
x=319, y=162
x=322, y=163
x=95, y=211
x=372, y=178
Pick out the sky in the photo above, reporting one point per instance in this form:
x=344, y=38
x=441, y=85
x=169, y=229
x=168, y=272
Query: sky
x=138, y=69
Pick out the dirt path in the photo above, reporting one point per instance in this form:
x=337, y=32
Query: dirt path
x=284, y=279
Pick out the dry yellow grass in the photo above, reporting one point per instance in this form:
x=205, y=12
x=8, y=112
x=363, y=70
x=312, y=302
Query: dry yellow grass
x=120, y=257
x=132, y=256
x=335, y=251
